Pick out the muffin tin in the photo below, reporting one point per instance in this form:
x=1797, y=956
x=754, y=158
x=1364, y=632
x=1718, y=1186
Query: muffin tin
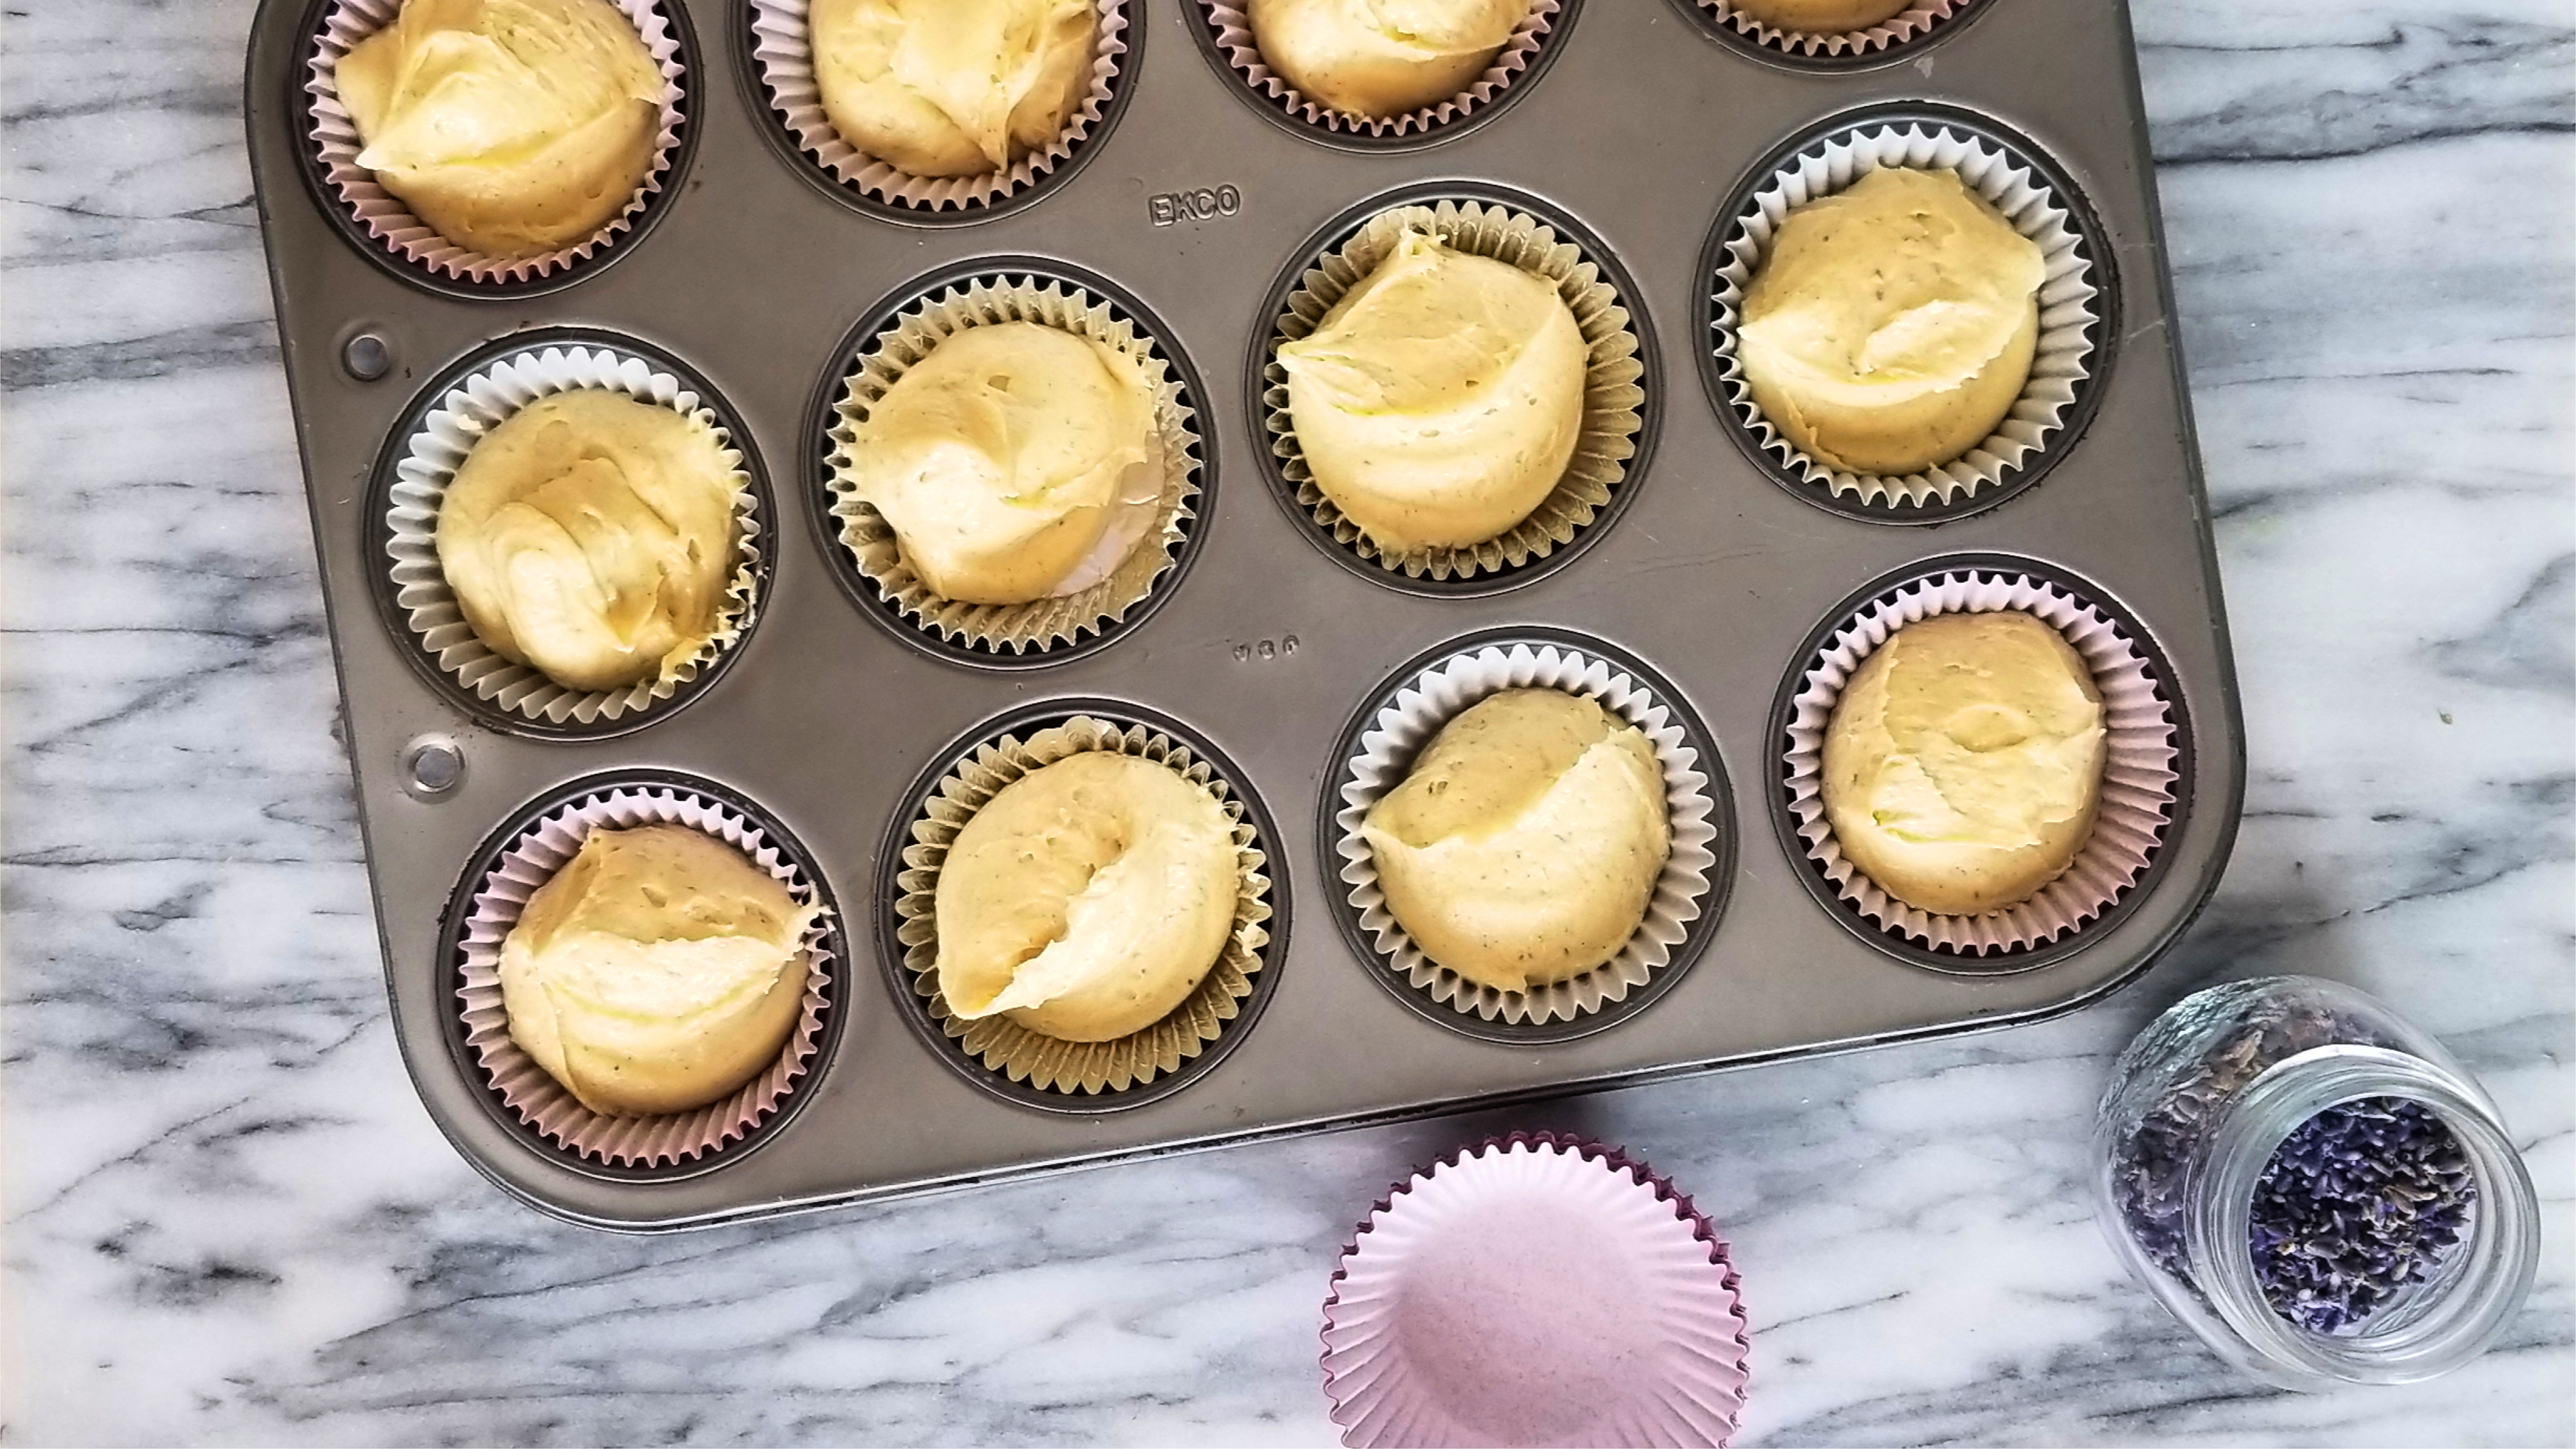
x=1196, y=203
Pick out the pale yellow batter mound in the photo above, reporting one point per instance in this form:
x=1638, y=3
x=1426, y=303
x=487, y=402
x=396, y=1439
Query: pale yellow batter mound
x=1964, y=761
x=1382, y=58
x=513, y=127
x=1892, y=325
x=1087, y=898
x=951, y=87
x=1439, y=401
x=590, y=536
x=1526, y=842
x=658, y=971
x=1016, y=462
x=1822, y=17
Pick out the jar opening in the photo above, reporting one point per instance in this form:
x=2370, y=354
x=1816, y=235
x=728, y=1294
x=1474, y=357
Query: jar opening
x=2419, y=1328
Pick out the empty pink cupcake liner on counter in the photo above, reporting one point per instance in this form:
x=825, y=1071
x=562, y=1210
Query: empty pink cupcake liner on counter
x=1535, y=1289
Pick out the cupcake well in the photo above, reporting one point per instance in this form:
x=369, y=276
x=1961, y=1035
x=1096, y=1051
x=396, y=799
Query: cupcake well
x=782, y=53
x=1691, y=887
x=2138, y=802
x=1617, y=402
x=379, y=214
x=999, y=1054
x=1042, y=629
x=424, y=462
x=1535, y=1289
x=545, y=1107
x=2075, y=300
x=1228, y=30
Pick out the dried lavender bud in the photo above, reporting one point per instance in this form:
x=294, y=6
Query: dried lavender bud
x=2358, y=1202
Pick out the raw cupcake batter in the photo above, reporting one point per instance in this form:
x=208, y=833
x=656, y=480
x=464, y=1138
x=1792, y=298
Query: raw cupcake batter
x=1892, y=324
x=1525, y=843
x=590, y=536
x=1439, y=401
x=1963, y=762
x=952, y=87
x=658, y=971
x=515, y=128
x=1382, y=58
x=1086, y=899
x=1016, y=462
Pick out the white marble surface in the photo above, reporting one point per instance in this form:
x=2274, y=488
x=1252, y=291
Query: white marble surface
x=228, y=1220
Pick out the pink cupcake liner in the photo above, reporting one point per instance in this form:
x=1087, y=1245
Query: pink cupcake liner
x=390, y=222
x=2137, y=800
x=1535, y=1289
x=1914, y=22
x=527, y=1088
x=1232, y=27
x=783, y=51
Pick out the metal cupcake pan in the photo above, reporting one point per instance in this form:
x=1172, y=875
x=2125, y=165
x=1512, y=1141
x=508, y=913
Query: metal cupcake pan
x=1191, y=206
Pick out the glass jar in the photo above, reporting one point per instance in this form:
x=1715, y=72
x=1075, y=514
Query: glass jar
x=2202, y=1101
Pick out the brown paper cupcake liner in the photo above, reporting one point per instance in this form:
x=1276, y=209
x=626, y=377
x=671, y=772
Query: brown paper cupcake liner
x=1006, y=1047
x=438, y=447
x=1387, y=749
x=1043, y=623
x=1613, y=400
x=2138, y=776
x=1913, y=23
x=527, y=1088
x=385, y=217
x=2068, y=317
x=783, y=52
x=1231, y=25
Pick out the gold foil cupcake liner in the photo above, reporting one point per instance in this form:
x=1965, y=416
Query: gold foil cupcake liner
x=437, y=448
x=1006, y=1047
x=528, y=1089
x=2138, y=776
x=2068, y=318
x=1231, y=25
x=384, y=215
x=783, y=52
x=1913, y=23
x=1613, y=400
x=1042, y=623
x=1440, y=693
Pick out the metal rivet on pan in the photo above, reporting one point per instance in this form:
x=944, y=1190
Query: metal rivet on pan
x=367, y=357
x=432, y=765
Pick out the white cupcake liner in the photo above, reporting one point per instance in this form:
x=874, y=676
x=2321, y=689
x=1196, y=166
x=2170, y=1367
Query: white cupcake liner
x=1040, y=624
x=1914, y=22
x=1232, y=26
x=531, y=1092
x=783, y=51
x=2137, y=799
x=384, y=215
x=1012, y=1050
x=438, y=447
x=1438, y=694
x=1535, y=1289
x=1613, y=398
x=2067, y=315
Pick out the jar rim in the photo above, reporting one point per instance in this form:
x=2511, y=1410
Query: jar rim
x=2477, y=1293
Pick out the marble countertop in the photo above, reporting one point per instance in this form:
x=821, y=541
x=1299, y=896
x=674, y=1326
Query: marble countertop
x=229, y=1220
